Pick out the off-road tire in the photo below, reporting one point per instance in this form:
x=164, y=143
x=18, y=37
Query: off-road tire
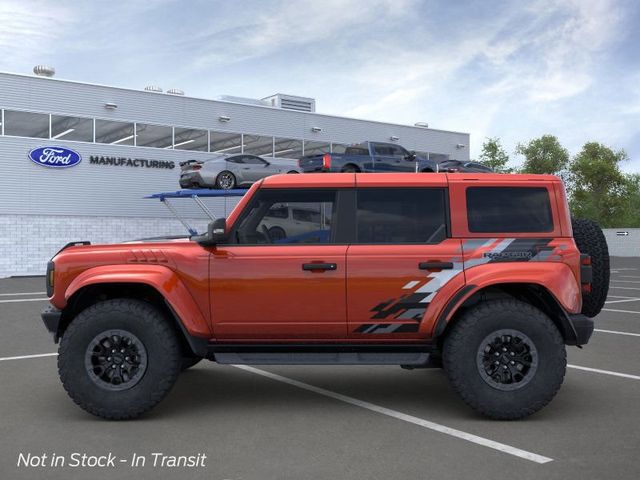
x=220, y=182
x=188, y=362
x=163, y=351
x=461, y=350
x=590, y=240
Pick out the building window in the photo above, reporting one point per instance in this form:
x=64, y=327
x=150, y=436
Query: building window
x=224, y=142
x=71, y=128
x=191, y=139
x=115, y=133
x=316, y=148
x=26, y=124
x=157, y=136
x=287, y=148
x=257, y=145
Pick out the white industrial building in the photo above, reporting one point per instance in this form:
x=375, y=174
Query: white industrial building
x=130, y=143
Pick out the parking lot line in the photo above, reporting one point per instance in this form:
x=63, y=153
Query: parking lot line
x=23, y=357
x=485, y=442
x=18, y=300
x=23, y=293
x=625, y=281
x=622, y=301
x=616, y=332
x=619, y=311
x=628, y=276
x=606, y=372
x=623, y=288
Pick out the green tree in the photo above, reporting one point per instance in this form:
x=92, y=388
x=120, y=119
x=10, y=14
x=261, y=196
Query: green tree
x=543, y=155
x=494, y=156
x=630, y=217
x=599, y=190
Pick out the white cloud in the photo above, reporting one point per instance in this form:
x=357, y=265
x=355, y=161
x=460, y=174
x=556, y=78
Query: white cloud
x=28, y=29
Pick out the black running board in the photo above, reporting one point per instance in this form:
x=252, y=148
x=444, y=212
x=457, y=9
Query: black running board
x=316, y=354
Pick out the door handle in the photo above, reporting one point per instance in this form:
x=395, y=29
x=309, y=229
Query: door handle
x=319, y=266
x=435, y=265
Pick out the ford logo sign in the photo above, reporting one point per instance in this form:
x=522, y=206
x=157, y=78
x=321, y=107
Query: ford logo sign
x=55, y=157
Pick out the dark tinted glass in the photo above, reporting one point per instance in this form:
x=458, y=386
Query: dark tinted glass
x=268, y=221
x=402, y=215
x=509, y=209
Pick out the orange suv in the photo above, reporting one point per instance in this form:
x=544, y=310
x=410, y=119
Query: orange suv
x=482, y=274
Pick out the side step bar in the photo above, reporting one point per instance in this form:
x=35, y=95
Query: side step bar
x=321, y=354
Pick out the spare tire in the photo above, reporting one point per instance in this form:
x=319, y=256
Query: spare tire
x=590, y=240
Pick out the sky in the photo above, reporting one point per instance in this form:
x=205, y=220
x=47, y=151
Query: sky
x=513, y=70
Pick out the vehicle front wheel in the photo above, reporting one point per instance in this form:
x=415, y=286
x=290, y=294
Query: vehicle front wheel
x=505, y=358
x=119, y=358
x=225, y=180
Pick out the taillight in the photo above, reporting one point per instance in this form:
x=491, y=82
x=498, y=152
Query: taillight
x=326, y=161
x=50, y=278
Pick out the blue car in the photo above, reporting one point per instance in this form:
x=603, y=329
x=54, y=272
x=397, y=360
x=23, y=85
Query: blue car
x=368, y=157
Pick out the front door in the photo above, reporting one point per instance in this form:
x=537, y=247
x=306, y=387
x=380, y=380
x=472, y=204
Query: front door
x=401, y=261
x=276, y=280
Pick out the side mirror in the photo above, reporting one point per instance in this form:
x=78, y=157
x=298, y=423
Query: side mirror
x=411, y=156
x=216, y=233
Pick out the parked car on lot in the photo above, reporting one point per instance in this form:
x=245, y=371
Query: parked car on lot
x=231, y=171
x=286, y=223
x=368, y=157
x=460, y=166
x=485, y=275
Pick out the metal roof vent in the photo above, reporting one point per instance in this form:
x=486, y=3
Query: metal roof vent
x=291, y=102
x=153, y=88
x=44, y=71
x=175, y=91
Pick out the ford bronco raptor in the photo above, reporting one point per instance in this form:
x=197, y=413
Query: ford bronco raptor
x=484, y=275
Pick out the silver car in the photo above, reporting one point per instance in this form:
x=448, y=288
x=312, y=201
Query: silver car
x=231, y=171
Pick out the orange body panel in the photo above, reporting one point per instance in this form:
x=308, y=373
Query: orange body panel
x=263, y=292
x=179, y=270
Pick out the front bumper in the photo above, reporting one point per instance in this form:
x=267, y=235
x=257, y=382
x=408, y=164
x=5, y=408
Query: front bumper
x=51, y=317
x=583, y=327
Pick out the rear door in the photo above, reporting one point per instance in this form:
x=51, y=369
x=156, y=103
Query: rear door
x=276, y=281
x=403, y=265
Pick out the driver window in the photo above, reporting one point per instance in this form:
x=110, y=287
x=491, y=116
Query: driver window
x=288, y=217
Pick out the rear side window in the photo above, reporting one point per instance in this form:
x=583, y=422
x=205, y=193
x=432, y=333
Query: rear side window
x=509, y=210
x=402, y=215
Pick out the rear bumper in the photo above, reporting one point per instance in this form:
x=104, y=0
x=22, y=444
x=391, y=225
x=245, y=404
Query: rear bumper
x=51, y=317
x=583, y=328
x=193, y=179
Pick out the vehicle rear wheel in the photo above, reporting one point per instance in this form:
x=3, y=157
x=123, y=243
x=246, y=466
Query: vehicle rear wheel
x=590, y=240
x=505, y=358
x=350, y=169
x=119, y=358
x=225, y=180
x=292, y=171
